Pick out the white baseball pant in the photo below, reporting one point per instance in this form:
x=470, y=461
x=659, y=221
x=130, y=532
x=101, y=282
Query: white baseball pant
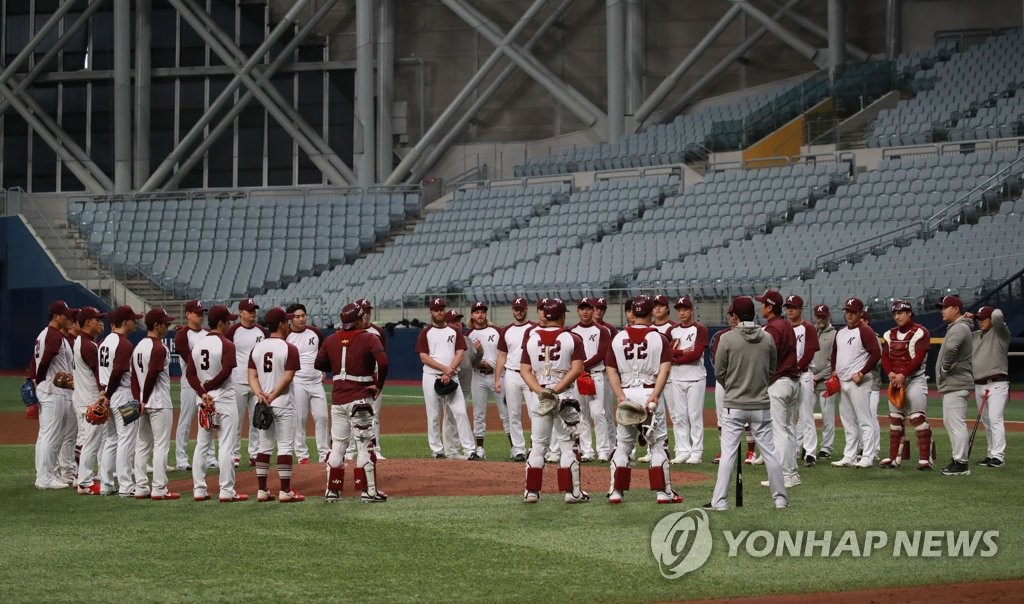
x=784, y=394
x=719, y=402
x=66, y=465
x=108, y=455
x=686, y=407
x=483, y=387
x=992, y=417
x=761, y=427
x=857, y=416
x=246, y=402
x=542, y=432
x=954, y=416
x=515, y=394
x=828, y=419
x=806, y=430
x=48, y=441
x=280, y=433
x=154, y=439
x=92, y=437
x=874, y=398
x=435, y=404
x=308, y=398
x=595, y=421
x=351, y=452
x=127, y=438
x=227, y=415
x=187, y=412
x=626, y=436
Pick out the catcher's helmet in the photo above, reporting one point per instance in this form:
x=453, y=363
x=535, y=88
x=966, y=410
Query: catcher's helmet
x=554, y=309
x=901, y=305
x=642, y=305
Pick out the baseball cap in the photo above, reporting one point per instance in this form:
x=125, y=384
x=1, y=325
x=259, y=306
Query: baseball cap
x=350, y=314
x=770, y=297
x=478, y=305
x=123, y=313
x=248, y=305
x=364, y=304
x=853, y=305
x=277, y=315
x=60, y=307
x=219, y=313
x=195, y=306
x=985, y=312
x=684, y=302
x=89, y=312
x=587, y=301
x=74, y=314
x=743, y=307
x=661, y=300
x=541, y=303
x=822, y=310
x=520, y=304
x=554, y=309
x=950, y=301
x=452, y=316
x=157, y=315
x=437, y=304
x=642, y=305
x=601, y=303
x=793, y=302
x=900, y=305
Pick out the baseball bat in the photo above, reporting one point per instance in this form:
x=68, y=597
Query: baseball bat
x=981, y=409
x=739, y=475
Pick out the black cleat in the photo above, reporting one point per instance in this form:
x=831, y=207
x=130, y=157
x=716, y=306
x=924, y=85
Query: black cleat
x=956, y=468
x=823, y=454
x=809, y=461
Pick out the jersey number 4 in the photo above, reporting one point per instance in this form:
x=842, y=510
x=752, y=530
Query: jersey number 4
x=639, y=350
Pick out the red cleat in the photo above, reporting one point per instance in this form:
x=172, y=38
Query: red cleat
x=166, y=496
x=237, y=497
x=304, y=461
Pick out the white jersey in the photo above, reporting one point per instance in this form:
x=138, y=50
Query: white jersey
x=488, y=338
x=51, y=340
x=550, y=352
x=592, y=336
x=307, y=342
x=150, y=359
x=115, y=354
x=86, y=364
x=209, y=356
x=271, y=358
x=853, y=350
x=691, y=337
x=184, y=341
x=510, y=341
x=244, y=339
x=440, y=344
x=637, y=353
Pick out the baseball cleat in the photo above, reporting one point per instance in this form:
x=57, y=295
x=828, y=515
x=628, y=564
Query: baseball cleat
x=810, y=461
x=304, y=461
x=141, y=494
x=889, y=464
x=717, y=460
x=332, y=496
x=708, y=506
x=519, y=457
x=864, y=462
x=587, y=459
x=290, y=497
x=378, y=497
x=262, y=496
x=481, y=453
x=531, y=497
x=956, y=468
x=183, y=467
x=168, y=496
x=440, y=455
x=200, y=497
x=474, y=457
x=824, y=454
x=53, y=483
x=669, y=497
x=615, y=497
x=679, y=459
x=93, y=489
x=377, y=453
x=583, y=497
x=985, y=461
x=694, y=460
x=603, y=458
x=553, y=457
x=237, y=461
x=238, y=497
x=995, y=462
x=924, y=465
x=845, y=462
x=252, y=461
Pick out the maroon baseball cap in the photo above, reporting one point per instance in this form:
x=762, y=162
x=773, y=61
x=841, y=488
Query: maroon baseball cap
x=742, y=307
x=219, y=313
x=661, y=300
x=350, y=314
x=541, y=303
x=158, y=315
x=793, y=302
x=364, y=304
x=770, y=297
x=437, y=304
x=248, y=305
x=586, y=302
x=901, y=305
x=452, y=316
x=853, y=305
x=478, y=305
x=642, y=305
x=684, y=302
x=520, y=304
x=277, y=315
x=950, y=301
x=985, y=312
x=601, y=303
x=822, y=310
x=123, y=313
x=60, y=307
x=554, y=309
x=195, y=306
x=89, y=312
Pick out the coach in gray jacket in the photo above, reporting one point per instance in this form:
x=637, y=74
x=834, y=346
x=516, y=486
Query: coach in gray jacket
x=821, y=368
x=991, y=379
x=955, y=379
x=744, y=363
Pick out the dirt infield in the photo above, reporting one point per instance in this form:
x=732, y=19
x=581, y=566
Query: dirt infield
x=995, y=592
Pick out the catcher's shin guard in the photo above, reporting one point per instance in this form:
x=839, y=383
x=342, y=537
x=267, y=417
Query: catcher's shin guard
x=534, y=479
x=620, y=478
x=569, y=479
x=660, y=478
x=364, y=476
x=335, y=479
x=896, y=437
x=923, y=432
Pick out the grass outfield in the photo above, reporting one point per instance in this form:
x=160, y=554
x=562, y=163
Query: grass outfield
x=59, y=547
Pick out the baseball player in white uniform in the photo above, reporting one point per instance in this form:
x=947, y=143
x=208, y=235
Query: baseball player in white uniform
x=596, y=339
x=151, y=385
x=464, y=377
x=273, y=365
x=115, y=356
x=638, y=364
x=688, y=381
x=663, y=324
x=483, y=340
x=441, y=349
x=600, y=308
x=806, y=346
x=308, y=394
x=184, y=339
x=552, y=359
x=87, y=392
x=855, y=352
x=990, y=365
x=784, y=390
x=70, y=445
x=51, y=356
x=210, y=374
x=507, y=379
x=245, y=335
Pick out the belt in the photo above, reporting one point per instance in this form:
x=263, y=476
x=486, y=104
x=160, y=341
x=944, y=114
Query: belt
x=999, y=377
x=512, y=370
x=484, y=371
x=353, y=378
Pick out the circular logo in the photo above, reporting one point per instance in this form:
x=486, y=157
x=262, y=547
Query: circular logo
x=681, y=542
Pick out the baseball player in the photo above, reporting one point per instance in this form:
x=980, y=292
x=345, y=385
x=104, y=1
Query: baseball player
x=273, y=365
x=185, y=338
x=151, y=385
x=210, y=374
x=745, y=364
x=244, y=335
x=51, y=356
x=821, y=368
x=367, y=307
x=115, y=358
x=600, y=308
x=661, y=322
x=449, y=428
x=806, y=347
x=441, y=350
x=552, y=359
x=507, y=379
x=855, y=352
x=990, y=364
x=638, y=364
x=875, y=396
x=954, y=377
x=87, y=392
x=483, y=342
x=904, y=352
x=70, y=445
x=784, y=391
x=356, y=357
x=308, y=394
x=687, y=383
x=596, y=339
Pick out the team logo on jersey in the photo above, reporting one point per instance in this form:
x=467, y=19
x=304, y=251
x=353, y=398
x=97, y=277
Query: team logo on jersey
x=850, y=341
x=593, y=337
x=312, y=341
x=490, y=338
x=681, y=542
x=451, y=339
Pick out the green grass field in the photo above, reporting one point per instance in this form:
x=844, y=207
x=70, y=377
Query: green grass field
x=60, y=547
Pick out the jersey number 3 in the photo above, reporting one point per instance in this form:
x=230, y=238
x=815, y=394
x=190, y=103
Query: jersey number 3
x=206, y=359
x=553, y=352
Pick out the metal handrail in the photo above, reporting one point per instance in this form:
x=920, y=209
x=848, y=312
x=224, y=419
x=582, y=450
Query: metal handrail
x=958, y=204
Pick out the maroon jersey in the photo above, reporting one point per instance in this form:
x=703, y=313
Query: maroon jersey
x=781, y=331
x=715, y=340
x=904, y=350
x=353, y=356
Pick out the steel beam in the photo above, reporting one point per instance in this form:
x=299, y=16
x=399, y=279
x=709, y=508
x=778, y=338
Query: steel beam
x=477, y=78
x=367, y=160
x=453, y=133
x=102, y=75
x=143, y=37
x=29, y=48
x=669, y=83
x=836, y=33
x=854, y=51
x=122, y=96
x=893, y=28
x=634, y=55
x=771, y=24
x=615, y=34
x=236, y=108
x=385, y=87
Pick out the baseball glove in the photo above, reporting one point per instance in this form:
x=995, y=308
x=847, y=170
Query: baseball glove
x=98, y=412
x=831, y=385
x=32, y=411
x=547, y=401
x=262, y=417
x=569, y=411
x=28, y=393
x=628, y=413
x=130, y=411
x=586, y=386
x=64, y=380
x=445, y=389
x=208, y=416
x=897, y=396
